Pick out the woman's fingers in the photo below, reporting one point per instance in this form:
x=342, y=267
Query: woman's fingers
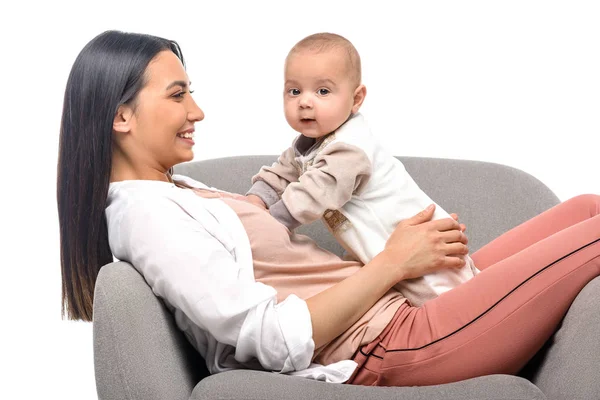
x=454, y=216
x=422, y=216
x=454, y=236
x=419, y=245
x=454, y=262
x=456, y=248
x=445, y=224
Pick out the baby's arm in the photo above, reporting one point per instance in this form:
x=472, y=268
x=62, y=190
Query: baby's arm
x=270, y=182
x=338, y=172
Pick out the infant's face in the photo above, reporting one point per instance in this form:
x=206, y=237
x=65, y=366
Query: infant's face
x=318, y=95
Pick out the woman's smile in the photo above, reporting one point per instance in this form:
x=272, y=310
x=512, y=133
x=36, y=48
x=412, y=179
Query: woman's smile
x=187, y=136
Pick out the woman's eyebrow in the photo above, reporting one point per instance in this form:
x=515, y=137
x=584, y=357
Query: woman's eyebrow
x=183, y=84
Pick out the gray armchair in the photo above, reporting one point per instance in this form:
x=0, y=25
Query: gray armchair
x=140, y=354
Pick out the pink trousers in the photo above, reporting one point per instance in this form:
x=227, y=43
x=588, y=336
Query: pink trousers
x=497, y=321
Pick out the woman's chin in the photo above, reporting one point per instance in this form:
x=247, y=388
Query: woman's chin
x=190, y=157
x=185, y=156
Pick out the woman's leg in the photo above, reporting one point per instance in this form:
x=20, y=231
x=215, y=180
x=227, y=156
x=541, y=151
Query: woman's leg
x=497, y=321
x=555, y=219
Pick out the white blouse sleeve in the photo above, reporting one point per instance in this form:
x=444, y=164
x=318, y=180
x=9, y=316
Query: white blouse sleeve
x=194, y=272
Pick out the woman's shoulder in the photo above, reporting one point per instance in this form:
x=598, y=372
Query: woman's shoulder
x=149, y=191
x=141, y=193
x=137, y=200
x=189, y=181
x=139, y=210
x=134, y=202
x=153, y=205
x=164, y=204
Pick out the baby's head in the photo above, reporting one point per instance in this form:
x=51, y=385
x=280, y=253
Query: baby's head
x=322, y=84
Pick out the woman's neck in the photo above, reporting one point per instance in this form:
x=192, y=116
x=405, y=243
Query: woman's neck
x=123, y=170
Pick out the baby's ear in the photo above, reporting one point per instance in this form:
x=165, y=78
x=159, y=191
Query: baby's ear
x=359, y=96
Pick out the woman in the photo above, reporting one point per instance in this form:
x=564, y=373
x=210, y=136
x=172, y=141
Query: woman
x=248, y=294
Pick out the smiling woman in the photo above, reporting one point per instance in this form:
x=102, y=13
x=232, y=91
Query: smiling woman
x=156, y=132
x=126, y=94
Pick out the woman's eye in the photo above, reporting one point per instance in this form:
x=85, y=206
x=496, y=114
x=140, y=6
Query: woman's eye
x=323, y=92
x=294, y=92
x=180, y=95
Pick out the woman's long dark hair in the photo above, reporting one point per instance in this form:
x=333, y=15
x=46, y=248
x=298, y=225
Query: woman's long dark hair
x=109, y=72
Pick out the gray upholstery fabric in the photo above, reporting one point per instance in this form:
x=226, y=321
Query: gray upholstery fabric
x=564, y=373
x=140, y=354
x=489, y=198
x=138, y=351
x=253, y=385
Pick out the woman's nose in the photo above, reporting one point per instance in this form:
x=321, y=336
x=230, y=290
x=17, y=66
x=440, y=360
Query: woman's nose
x=195, y=113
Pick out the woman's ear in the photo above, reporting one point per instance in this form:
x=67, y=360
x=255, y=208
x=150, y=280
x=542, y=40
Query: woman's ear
x=359, y=96
x=123, y=119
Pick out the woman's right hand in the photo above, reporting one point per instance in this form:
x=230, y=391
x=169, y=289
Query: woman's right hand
x=419, y=246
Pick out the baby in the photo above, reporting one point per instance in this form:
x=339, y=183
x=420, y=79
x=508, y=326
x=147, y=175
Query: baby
x=336, y=170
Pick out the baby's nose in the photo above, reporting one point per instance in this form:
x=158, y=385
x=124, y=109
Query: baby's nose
x=305, y=102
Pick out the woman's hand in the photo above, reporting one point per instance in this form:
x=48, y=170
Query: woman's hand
x=419, y=246
x=463, y=227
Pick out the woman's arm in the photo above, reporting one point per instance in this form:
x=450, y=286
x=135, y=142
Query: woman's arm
x=200, y=278
x=197, y=275
x=417, y=247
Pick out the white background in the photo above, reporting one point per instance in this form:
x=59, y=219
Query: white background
x=513, y=82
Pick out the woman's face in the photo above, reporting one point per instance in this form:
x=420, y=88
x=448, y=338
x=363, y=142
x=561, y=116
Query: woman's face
x=161, y=127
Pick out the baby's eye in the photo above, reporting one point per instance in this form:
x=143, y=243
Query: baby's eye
x=323, y=91
x=294, y=92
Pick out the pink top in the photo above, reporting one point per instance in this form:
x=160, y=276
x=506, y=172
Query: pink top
x=296, y=264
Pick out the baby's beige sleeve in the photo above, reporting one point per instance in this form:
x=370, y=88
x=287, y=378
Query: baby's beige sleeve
x=271, y=181
x=338, y=172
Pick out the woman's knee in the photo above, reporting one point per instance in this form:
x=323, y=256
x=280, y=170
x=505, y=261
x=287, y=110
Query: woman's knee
x=588, y=201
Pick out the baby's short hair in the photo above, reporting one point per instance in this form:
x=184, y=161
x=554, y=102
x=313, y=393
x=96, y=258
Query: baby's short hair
x=325, y=41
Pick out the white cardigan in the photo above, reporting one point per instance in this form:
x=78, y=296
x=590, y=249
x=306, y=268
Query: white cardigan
x=195, y=255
